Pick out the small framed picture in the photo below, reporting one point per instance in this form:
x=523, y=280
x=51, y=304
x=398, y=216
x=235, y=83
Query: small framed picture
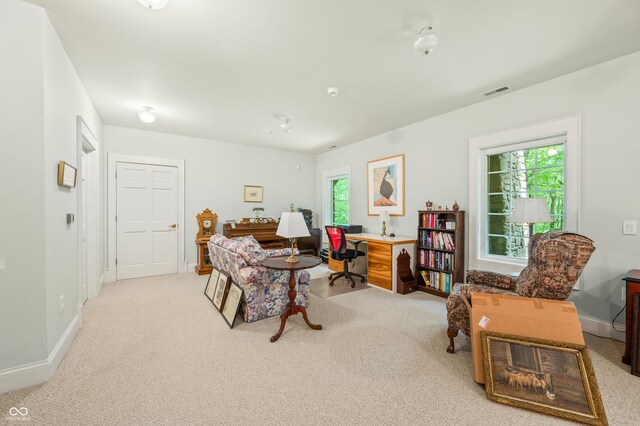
x=212, y=282
x=66, y=175
x=231, y=304
x=221, y=290
x=252, y=194
x=550, y=377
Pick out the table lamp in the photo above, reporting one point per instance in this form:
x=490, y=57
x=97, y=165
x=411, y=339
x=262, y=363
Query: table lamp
x=530, y=211
x=292, y=226
x=384, y=218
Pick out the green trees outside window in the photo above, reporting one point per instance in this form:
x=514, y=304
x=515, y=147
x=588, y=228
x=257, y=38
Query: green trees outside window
x=535, y=172
x=340, y=201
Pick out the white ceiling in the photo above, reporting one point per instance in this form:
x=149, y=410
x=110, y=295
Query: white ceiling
x=220, y=69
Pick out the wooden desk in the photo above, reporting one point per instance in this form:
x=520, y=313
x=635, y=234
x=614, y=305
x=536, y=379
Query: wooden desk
x=382, y=253
x=633, y=287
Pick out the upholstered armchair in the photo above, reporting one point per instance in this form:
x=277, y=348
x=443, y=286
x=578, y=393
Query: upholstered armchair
x=556, y=260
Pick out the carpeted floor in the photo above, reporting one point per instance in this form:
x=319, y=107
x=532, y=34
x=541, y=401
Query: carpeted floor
x=321, y=288
x=154, y=351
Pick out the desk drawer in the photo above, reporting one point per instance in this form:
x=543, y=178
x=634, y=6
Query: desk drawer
x=379, y=280
x=382, y=268
x=376, y=248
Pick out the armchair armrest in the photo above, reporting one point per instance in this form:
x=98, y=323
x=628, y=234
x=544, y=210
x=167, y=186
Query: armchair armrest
x=280, y=252
x=491, y=279
x=355, y=246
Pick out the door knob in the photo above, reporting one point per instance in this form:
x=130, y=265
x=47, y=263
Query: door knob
x=174, y=226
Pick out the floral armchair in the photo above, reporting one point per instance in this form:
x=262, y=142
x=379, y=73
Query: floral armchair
x=556, y=260
x=264, y=290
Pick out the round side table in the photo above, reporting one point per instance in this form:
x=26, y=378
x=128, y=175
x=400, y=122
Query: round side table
x=280, y=263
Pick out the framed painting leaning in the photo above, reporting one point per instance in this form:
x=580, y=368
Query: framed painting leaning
x=542, y=375
x=385, y=186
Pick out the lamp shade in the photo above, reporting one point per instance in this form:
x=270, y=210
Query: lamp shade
x=530, y=210
x=384, y=216
x=292, y=225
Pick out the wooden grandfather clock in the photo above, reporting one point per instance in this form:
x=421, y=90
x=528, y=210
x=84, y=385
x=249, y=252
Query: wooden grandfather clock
x=206, y=228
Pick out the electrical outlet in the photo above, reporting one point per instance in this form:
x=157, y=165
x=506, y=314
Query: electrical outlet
x=62, y=304
x=624, y=294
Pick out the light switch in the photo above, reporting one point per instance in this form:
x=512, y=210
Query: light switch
x=2, y=264
x=629, y=227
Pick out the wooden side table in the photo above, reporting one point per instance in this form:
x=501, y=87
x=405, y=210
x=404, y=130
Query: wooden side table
x=633, y=287
x=280, y=263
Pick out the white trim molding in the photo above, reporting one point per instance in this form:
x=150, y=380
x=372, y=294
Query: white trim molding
x=113, y=159
x=41, y=371
x=602, y=328
x=526, y=136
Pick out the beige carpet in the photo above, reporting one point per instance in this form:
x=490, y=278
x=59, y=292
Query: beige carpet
x=321, y=288
x=154, y=351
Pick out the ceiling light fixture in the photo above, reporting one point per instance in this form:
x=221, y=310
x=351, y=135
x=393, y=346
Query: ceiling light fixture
x=427, y=41
x=154, y=4
x=147, y=115
x=285, y=122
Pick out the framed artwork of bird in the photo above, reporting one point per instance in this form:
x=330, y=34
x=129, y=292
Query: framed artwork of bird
x=385, y=185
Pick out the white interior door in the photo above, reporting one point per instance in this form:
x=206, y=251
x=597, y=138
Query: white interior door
x=146, y=220
x=83, y=229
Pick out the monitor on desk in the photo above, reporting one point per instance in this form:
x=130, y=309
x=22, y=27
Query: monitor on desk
x=351, y=229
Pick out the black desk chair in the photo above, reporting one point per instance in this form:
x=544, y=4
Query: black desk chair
x=339, y=251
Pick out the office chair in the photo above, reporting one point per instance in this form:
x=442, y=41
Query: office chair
x=339, y=251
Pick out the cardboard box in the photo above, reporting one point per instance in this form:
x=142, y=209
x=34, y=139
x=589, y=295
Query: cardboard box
x=523, y=316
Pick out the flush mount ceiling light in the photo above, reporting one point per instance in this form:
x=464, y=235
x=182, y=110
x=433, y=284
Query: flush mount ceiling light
x=154, y=4
x=333, y=91
x=147, y=115
x=427, y=41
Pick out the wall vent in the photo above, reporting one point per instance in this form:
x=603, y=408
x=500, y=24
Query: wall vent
x=498, y=90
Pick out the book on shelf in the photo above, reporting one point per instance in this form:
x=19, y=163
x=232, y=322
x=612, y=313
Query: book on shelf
x=436, y=259
x=436, y=239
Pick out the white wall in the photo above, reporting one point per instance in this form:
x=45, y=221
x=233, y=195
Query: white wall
x=437, y=154
x=216, y=172
x=64, y=99
x=22, y=218
x=40, y=98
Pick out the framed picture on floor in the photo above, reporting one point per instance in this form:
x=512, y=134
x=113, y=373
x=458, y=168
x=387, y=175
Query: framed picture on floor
x=231, y=304
x=221, y=290
x=385, y=186
x=550, y=377
x=212, y=282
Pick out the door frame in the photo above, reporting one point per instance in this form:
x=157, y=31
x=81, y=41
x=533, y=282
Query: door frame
x=87, y=142
x=113, y=160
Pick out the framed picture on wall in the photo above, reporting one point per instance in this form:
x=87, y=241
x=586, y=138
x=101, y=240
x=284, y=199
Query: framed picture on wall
x=385, y=185
x=252, y=194
x=66, y=174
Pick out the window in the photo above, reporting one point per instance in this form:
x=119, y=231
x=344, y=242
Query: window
x=520, y=173
x=340, y=201
x=538, y=160
x=336, y=196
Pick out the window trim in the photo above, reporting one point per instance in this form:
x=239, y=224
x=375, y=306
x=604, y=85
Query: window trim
x=519, y=138
x=327, y=177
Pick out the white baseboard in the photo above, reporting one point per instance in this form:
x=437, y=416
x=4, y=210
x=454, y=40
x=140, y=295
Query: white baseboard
x=191, y=267
x=101, y=282
x=109, y=275
x=41, y=371
x=602, y=328
x=183, y=267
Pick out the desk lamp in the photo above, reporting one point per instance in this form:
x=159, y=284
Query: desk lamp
x=384, y=218
x=292, y=226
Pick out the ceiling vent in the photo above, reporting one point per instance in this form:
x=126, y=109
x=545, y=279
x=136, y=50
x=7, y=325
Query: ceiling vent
x=498, y=90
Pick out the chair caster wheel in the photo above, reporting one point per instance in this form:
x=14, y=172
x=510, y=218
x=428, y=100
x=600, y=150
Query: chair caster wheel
x=361, y=280
x=353, y=285
x=331, y=283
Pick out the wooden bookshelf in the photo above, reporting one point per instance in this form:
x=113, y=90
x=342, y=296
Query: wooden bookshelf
x=440, y=250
